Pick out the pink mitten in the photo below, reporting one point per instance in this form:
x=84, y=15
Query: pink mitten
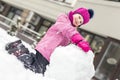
x=76, y=38
x=84, y=45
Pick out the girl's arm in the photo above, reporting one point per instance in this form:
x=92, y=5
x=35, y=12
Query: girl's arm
x=80, y=42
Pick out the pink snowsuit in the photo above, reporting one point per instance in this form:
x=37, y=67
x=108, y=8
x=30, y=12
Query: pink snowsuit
x=58, y=35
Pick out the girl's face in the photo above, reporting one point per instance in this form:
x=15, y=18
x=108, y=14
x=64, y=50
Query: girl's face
x=77, y=20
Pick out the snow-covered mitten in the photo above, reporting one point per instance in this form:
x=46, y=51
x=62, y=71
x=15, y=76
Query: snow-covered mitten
x=12, y=45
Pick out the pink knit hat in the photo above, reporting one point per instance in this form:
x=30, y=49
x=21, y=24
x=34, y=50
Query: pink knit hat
x=83, y=12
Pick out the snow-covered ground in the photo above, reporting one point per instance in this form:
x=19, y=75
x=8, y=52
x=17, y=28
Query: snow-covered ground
x=67, y=63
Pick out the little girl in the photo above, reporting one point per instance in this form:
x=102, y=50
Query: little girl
x=62, y=33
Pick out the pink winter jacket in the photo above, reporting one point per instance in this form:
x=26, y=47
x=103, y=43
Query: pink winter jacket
x=58, y=35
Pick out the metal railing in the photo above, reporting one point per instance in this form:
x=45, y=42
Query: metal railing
x=15, y=28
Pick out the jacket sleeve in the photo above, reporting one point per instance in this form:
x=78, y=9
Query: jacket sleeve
x=71, y=33
x=77, y=39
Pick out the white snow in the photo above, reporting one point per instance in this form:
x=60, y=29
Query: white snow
x=71, y=63
x=67, y=63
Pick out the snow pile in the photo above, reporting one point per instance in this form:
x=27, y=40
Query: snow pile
x=10, y=67
x=71, y=63
x=67, y=63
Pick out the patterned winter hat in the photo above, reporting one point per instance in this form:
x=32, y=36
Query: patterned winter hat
x=87, y=14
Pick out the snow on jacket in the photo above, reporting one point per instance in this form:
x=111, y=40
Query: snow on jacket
x=57, y=35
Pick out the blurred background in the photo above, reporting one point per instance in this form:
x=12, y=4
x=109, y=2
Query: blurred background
x=30, y=19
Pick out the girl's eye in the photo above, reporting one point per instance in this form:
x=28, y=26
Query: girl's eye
x=80, y=21
x=79, y=17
